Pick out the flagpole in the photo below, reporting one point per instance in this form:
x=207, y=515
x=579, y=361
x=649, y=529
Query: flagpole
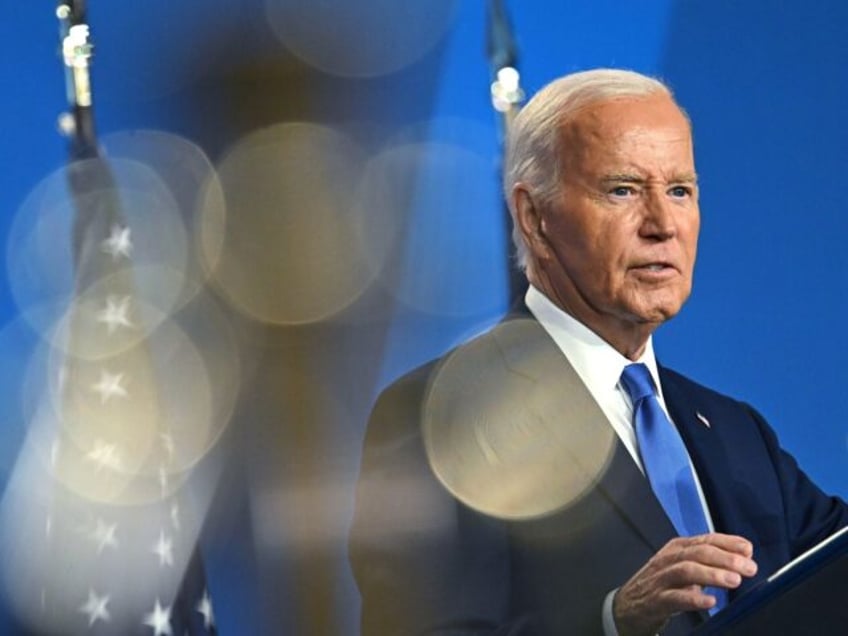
x=77, y=124
x=506, y=95
x=77, y=52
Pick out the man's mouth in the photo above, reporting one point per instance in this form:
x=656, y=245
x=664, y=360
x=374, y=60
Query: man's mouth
x=655, y=268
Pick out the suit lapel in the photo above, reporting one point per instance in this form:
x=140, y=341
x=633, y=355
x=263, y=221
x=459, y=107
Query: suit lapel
x=629, y=492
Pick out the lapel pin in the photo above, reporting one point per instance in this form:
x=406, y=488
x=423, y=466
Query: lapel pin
x=704, y=420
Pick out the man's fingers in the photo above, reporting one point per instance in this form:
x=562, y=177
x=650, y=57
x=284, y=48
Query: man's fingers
x=728, y=542
x=721, y=552
x=688, y=573
x=718, y=558
x=685, y=599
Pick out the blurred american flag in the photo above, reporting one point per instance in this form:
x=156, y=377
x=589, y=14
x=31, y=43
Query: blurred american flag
x=96, y=536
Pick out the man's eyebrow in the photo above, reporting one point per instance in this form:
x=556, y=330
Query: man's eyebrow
x=686, y=177
x=622, y=177
x=625, y=177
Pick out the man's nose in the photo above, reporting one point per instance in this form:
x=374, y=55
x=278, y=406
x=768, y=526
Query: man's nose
x=659, y=221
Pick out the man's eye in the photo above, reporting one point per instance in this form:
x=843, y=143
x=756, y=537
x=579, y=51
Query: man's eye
x=680, y=192
x=622, y=191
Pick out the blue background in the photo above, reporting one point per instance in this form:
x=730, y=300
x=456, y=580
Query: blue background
x=766, y=88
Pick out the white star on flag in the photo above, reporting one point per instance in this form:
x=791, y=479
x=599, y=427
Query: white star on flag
x=105, y=455
x=164, y=549
x=115, y=314
x=95, y=608
x=119, y=242
x=110, y=386
x=104, y=535
x=160, y=620
x=204, y=606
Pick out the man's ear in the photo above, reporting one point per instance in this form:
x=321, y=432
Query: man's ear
x=530, y=221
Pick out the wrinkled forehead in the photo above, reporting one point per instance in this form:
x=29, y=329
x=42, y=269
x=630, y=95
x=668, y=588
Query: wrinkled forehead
x=617, y=114
x=651, y=127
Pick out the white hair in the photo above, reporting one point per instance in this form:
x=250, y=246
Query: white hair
x=532, y=153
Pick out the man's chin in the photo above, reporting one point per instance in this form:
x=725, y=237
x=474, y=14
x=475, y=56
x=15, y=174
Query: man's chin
x=657, y=314
x=658, y=308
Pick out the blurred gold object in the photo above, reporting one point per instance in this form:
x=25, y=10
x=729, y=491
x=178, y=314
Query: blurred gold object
x=509, y=428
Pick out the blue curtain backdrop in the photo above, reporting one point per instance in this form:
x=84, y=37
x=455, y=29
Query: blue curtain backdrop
x=764, y=84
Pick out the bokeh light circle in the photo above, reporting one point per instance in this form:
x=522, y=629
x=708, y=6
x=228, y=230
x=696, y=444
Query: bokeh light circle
x=136, y=443
x=188, y=173
x=434, y=226
x=136, y=205
x=508, y=432
x=359, y=39
x=286, y=250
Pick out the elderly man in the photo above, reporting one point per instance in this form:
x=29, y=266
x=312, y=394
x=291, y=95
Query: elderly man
x=693, y=500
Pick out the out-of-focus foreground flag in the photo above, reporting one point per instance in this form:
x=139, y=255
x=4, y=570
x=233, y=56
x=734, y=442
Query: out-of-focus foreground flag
x=96, y=538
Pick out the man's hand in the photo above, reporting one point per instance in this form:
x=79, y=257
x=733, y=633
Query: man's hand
x=672, y=581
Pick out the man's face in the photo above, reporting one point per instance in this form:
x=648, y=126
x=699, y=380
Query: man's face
x=619, y=239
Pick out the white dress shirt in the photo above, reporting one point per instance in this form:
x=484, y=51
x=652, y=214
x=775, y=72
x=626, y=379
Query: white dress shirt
x=599, y=367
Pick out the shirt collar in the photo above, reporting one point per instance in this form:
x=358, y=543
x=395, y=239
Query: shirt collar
x=594, y=359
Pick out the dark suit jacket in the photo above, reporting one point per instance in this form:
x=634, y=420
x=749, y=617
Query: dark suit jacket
x=427, y=563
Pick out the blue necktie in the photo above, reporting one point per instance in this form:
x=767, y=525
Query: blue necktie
x=665, y=460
